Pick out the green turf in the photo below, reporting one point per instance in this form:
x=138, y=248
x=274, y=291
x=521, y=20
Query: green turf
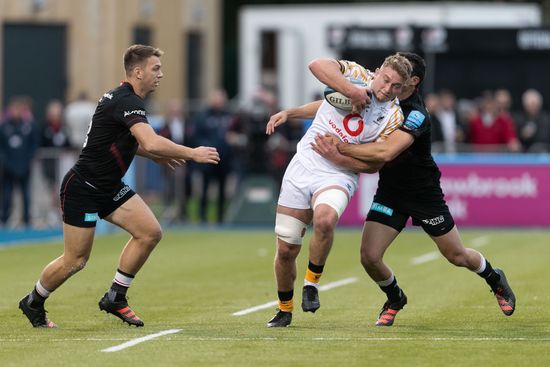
x=194, y=281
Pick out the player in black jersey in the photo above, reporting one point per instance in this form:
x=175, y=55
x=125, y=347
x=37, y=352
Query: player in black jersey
x=93, y=188
x=409, y=186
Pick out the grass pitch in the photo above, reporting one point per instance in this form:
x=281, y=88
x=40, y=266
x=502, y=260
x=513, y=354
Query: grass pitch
x=195, y=281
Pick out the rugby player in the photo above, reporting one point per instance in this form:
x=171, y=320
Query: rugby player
x=93, y=188
x=314, y=190
x=409, y=186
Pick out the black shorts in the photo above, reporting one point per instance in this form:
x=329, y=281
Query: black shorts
x=83, y=204
x=429, y=211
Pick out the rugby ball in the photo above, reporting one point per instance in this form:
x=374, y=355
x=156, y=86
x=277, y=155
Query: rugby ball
x=337, y=99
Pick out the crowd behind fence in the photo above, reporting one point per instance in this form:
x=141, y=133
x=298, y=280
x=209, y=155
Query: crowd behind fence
x=36, y=151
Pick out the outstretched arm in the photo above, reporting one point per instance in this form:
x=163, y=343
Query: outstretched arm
x=302, y=112
x=156, y=145
x=168, y=162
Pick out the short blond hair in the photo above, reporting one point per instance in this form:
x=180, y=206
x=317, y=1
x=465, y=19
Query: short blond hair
x=400, y=64
x=137, y=55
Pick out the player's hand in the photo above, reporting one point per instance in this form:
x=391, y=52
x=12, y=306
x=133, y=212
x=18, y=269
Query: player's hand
x=277, y=119
x=206, y=155
x=169, y=162
x=360, y=98
x=333, y=139
x=326, y=147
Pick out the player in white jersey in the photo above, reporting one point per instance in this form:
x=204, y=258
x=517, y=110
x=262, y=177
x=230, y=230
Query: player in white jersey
x=317, y=190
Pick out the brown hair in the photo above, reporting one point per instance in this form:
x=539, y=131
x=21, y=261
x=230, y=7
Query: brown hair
x=137, y=54
x=400, y=64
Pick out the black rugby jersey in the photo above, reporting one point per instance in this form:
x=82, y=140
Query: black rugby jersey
x=110, y=147
x=414, y=171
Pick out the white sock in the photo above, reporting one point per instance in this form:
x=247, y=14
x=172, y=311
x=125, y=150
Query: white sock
x=306, y=282
x=41, y=290
x=482, y=265
x=122, y=279
x=385, y=283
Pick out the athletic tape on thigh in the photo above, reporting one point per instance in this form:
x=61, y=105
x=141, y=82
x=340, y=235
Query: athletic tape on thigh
x=289, y=229
x=336, y=199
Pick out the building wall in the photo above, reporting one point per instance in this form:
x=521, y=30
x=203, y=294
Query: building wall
x=98, y=32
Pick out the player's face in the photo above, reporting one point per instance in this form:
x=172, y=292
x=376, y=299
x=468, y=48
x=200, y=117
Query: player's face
x=152, y=74
x=387, y=84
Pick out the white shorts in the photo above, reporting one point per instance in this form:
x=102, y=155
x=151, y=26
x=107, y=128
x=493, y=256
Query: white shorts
x=300, y=184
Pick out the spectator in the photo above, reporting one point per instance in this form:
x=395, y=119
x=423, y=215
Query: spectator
x=503, y=101
x=174, y=128
x=18, y=145
x=55, y=138
x=251, y=122
x=491, y=129
x=211, y=128
x=449, y=123
x=78, y=116
x=533, y=123
x=432, y=104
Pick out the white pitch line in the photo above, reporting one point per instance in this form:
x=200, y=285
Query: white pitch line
x=131, y=343
x=434, y=255
x=325, y=287
x=480, y=241
x=427, y=257
x=255, y=308
x=332, y=339
x=337, y=283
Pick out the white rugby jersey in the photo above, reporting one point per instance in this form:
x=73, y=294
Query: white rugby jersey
x=374, y=123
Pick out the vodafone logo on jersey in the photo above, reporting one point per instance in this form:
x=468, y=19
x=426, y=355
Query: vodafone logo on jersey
x=338, y=131
x=353, y=123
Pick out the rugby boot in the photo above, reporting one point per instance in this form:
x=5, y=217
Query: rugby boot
x=121, y=310
x=281, y=319
x=390, y=310
x=504, y=294
x=310, y=299
x=36, y=315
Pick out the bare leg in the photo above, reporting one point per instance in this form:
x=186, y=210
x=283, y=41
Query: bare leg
x=77, y=248
x=376, y=238
x=78, y=245
x=285, y=265
x=325, y=219
x=450, y=245
x=285, y=257
x=136, y=218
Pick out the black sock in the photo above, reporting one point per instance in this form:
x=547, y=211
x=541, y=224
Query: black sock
x=490, y=276
x=117, y=292
x=392, y=291
x=36, y=300
x=285, y=296
x=286, y=304
x=315, y=268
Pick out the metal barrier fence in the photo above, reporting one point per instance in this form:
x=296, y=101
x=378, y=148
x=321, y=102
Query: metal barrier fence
x=174, y=196
x=167, y=192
